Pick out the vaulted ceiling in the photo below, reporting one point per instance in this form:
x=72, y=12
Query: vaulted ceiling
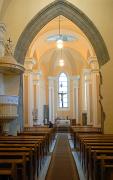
x=75, y=53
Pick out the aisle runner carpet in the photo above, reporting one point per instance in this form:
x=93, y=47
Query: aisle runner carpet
x=62, y=166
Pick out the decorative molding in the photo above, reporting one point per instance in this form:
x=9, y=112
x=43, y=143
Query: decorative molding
x=2, y=27
x=93, y=63
x=9, y=99
x=28, y=64
x=95, y=71
x=2, y=32
x=75, y=77
x=76, y=82
x=51, y=78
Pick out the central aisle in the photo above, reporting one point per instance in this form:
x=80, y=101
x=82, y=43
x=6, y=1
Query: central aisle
x=62, y=166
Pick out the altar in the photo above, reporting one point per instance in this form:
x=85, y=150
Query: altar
x=62, y=124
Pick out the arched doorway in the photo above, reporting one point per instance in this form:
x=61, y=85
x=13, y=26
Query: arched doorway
x=47, y=14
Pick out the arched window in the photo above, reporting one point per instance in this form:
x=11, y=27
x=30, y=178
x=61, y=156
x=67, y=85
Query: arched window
x=63, y=91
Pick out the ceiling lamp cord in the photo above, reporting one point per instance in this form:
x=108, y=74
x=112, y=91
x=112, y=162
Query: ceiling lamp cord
x=59, y=41
x=59, y=26
x=61, y=61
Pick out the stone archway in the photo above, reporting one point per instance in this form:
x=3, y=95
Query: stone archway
x=54, y=9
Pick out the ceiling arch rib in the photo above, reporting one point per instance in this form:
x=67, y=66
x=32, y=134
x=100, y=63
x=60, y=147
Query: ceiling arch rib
x=69, y=11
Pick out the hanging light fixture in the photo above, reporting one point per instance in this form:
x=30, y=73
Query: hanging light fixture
x=59, y=41
x=61, y=61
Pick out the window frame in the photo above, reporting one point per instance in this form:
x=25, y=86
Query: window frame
x=68, y=93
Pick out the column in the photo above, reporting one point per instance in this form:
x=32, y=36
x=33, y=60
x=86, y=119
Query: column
x=87, y=94
x=28, y=92
x=40, y=96
x=41, y=100
x=36, y=89
x=51, y=100
x=76, y=98
x=95, y=90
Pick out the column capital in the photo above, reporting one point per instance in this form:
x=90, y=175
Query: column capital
x=92, y=58
x=29, y=63
x=51, y=78
x=75, y=78
x=36, y=78
x=95, y=71
x=86, y=71
x=75, y=81
x=51, y=81
x=93, y=62
x=87, y=75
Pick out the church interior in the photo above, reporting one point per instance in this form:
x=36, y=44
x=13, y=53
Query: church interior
x=56, y=117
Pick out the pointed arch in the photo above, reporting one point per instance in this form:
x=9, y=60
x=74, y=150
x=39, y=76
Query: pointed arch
x=68, y=10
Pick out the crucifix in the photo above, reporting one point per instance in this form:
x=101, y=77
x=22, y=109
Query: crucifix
x=62, y=94
x=62, y=100
x=9, y=40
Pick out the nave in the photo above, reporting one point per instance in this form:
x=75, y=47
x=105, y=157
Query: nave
x=56, y=59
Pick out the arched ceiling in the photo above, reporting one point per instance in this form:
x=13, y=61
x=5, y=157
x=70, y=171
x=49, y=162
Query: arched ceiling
x=75, y=53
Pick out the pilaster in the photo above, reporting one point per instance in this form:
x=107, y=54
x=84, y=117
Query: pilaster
x=87, y=94
x=51, y=99
x=29, y=62
x=76, y=98
x=94, y=77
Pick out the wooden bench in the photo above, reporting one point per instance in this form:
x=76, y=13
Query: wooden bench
x=104, y=163
x=34, y=140
x=93, y=146
x=8, y=172
x=40, y=141
x=22, y=159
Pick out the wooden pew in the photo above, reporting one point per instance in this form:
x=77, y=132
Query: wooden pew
x=7, y=159
x=90, y=130
x=99, y=143
x=8, y=172
x=27, y=139
x=23, y=148
x=104, y=163
x=36, y=142
x=49, y=131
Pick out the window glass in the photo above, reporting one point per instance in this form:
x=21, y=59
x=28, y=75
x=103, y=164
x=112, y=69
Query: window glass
x=63, y=91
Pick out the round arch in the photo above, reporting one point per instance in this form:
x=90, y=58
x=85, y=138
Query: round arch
x=68, y=10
